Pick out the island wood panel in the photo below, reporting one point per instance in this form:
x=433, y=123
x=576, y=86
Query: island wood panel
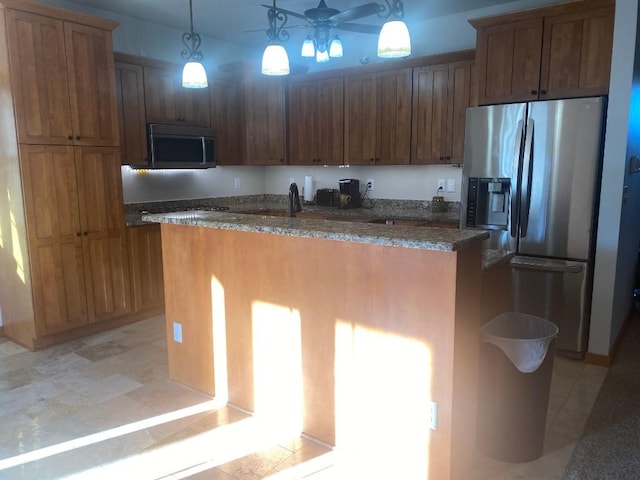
x=374, y=296
x=145, y=259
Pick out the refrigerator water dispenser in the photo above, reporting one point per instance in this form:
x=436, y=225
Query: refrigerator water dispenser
x=488, y=203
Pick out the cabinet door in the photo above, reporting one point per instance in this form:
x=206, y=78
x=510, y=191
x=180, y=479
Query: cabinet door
x=330, y=121
x=508, y=57
x=55, y=241
x=227, y=120
x=91, y=85
x=145, y=258
x=360, y=119
x=104, y=237
x=265, y=121
x=430, y=114
x=130, y=92
x=393, y=139
x=576, y=54
x=459, y=98
x=161, y=95
x=39, y=78
x=167, y=101
x=304, y=136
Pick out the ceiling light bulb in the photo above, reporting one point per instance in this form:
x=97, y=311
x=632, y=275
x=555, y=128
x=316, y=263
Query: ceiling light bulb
x=322, y=56
x=194, y=76
x=394, y=40
x=308, y=47
x=335, y=48
x=275, y=60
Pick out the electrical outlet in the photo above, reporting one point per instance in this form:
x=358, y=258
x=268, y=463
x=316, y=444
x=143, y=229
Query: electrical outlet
x=441, y=185
x=451, y=185
x=291, y=180
x=433, y=415
x=177, y=332
x=236, y=182
x=370, y=184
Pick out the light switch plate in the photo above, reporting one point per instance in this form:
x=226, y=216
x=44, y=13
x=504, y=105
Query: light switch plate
x=236, y=182
x=451, y=185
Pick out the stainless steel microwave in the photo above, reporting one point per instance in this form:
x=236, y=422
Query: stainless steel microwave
x=179, y=146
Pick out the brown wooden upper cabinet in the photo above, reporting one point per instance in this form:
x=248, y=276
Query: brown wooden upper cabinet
x=316, y=121
x=264, y=112
x=227, y=119
x=131, y=113
x=561, y=51
x=62, y=80
x=168, y=102
x=77, y=246
x=441, y=94
x=377, y=115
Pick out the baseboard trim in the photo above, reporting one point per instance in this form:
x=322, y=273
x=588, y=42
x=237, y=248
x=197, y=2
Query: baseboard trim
x=607, y=360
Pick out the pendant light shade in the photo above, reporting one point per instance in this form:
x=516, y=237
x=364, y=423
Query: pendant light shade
x=394, y=40
x=193, y=73
x=308, y=47
x=194, y=76
x=275, y=60
x=322, y=56
x=335, y=48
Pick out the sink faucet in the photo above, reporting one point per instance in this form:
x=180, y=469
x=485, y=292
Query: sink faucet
x=294, y=200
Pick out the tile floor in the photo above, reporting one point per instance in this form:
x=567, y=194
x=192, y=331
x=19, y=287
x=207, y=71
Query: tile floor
x=103, y=407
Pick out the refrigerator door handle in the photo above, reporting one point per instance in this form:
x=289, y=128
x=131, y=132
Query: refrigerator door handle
x=548, y=267
x=515, y=196
x=525, y=192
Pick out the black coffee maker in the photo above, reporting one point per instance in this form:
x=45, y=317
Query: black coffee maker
x=349, y=193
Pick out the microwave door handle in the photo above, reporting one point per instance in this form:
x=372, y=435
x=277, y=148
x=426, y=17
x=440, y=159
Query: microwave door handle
x=515, y=196
x=204, y=151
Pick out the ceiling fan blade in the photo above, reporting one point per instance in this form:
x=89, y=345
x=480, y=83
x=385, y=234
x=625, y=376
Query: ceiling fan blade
x=356, y=12
x=359, y=27
x=288, y=12
x=264, y=29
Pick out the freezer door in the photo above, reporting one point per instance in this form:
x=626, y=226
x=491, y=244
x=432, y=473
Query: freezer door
x=560, y=175
x=492, y=144
x=558, y=291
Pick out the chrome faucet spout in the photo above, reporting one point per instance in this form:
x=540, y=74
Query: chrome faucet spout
x=294, y=200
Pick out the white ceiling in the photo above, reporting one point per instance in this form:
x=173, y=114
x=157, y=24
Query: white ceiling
x=228, y=20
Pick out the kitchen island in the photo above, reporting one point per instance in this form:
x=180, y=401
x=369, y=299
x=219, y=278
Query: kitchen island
x=344, y=331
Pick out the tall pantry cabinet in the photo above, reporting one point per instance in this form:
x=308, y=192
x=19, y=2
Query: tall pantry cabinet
x=63, y=257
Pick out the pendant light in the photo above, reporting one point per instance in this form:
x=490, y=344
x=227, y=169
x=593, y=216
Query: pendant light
x=394, y=40
x=275, y=60
x=193, y=73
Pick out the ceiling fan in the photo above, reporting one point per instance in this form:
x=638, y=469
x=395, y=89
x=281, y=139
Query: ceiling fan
x=323, y=18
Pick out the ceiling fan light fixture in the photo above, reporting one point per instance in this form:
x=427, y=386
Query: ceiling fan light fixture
x=308, y=47
x=193, y=73
x=275, y=60
x=335, y=47
x=394, y=40
x=322, y=56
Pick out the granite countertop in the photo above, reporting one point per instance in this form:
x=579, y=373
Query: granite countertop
x=429, y=238
x=492, y=258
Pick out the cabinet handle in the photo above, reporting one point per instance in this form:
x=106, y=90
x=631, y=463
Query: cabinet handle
x=447, y=159
x=69, y=137
x=282, y=160
x=77, y=137
x=543, y=92
x=377, y=159
x=85, y=233
x=78, y=234
x=534, y=92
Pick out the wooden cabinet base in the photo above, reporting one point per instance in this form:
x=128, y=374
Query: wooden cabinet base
x=91, y=329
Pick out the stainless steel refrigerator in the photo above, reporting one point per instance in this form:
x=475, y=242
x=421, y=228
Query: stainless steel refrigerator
x=531, y=176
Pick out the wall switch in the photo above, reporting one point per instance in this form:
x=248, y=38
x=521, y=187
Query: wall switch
x=236, y=182
x=441, y=185
x=177, y=332
x=451, y=185
x=370, y=184
x=433, y=415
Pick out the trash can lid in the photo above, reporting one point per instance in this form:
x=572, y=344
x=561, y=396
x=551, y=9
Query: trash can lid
x=523, y=338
